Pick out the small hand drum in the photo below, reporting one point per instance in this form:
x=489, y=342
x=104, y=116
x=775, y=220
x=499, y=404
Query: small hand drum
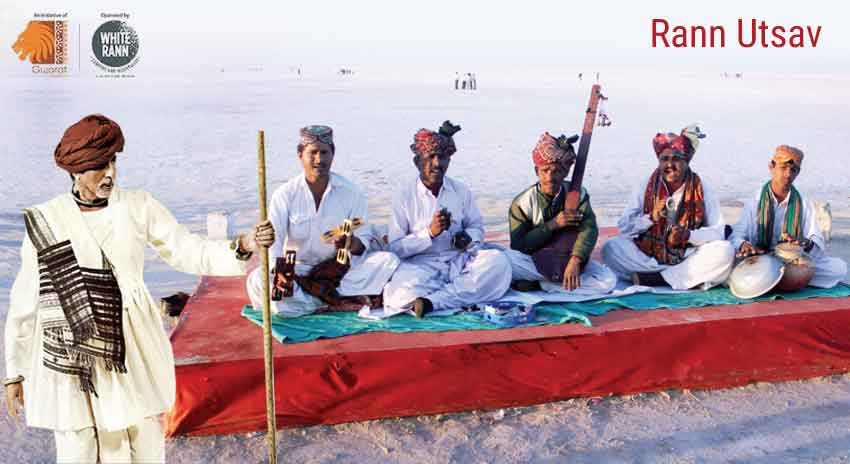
x=799, y=267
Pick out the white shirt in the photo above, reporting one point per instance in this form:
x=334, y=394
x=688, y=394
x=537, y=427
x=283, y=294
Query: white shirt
x=414, y=207
x=746, y=229
x=299, y=225
x=634, y=222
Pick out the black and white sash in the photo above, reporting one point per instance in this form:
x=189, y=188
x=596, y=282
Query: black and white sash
x=80, y=307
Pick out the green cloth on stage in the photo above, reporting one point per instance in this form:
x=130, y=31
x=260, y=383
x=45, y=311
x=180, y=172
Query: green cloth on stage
x=714, y=297
x=338, y=324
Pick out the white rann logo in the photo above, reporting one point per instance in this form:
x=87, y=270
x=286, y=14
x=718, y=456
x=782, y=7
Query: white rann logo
x=116, y=44
x=115, y=47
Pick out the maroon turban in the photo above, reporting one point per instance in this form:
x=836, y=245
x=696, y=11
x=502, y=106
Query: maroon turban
x=426, y=141
x=548, y=151
x=89, y=144
x=679, y=145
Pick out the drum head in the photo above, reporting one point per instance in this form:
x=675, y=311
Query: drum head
x=788, y=252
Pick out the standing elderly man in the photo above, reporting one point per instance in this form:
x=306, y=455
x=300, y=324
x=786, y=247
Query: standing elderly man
x=436, y=230
x=538, y=213
x=84, y=338
x=779, y=213
x=304, y=208
x=672, y=231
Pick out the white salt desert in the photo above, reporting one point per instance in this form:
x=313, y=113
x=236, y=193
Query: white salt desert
x=191, y=142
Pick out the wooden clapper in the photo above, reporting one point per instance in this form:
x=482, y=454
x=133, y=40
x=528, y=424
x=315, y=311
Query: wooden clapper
x=346, y=229
x=284, y=276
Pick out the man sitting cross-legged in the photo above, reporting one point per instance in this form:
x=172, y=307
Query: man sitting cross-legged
x=436, y=230
x=538, y=213
x=672, y=231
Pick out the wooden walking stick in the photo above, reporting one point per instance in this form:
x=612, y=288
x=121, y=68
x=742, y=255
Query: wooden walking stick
x=267, y=317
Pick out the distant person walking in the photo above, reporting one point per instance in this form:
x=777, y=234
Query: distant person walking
x=473, y=81
x=579, y=76
x=457, y=80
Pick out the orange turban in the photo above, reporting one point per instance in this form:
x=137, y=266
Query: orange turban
x=786, y=153
x=89, y=144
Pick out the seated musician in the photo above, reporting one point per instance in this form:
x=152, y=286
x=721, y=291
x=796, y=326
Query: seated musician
x=302, y=210
x=778, y=213
x=538, y=213
x=437, y=231
x=672, y=231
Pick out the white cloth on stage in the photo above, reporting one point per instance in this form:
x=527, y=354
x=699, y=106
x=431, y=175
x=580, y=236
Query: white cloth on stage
x=431, y=267
x=132, y=221
x=299, y=226
x=707, y=263
x=596, y=279
x=142, y=443
x=622, y=288
x=829, y=271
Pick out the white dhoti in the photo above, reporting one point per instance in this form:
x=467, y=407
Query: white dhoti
x=367, y=276
x=469, y=278
x=595, y=278
x=143, y=443
x=707, y=265
x=828, y=272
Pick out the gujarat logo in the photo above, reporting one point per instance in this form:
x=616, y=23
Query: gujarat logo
x=115, y=45
x=44, y=43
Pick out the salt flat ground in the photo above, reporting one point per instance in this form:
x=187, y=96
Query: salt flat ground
x=191, y=141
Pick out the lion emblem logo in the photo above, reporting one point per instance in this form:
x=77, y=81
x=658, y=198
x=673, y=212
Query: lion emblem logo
x=42, y=42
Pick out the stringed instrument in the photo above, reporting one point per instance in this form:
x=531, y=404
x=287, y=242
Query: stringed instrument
x=552, y=259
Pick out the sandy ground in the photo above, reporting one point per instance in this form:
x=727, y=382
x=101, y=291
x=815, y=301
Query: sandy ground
x=789, y=422
x=769, y=423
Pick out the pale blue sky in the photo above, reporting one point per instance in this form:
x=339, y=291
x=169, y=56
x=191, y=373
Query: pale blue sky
x=442, y=32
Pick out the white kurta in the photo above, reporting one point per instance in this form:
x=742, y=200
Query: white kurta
x=132, y=220
x=431, y=267
x=708, y=262
x=299, y=226
x=828, y=271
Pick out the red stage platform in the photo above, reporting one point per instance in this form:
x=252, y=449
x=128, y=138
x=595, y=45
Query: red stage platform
x=220, y=379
